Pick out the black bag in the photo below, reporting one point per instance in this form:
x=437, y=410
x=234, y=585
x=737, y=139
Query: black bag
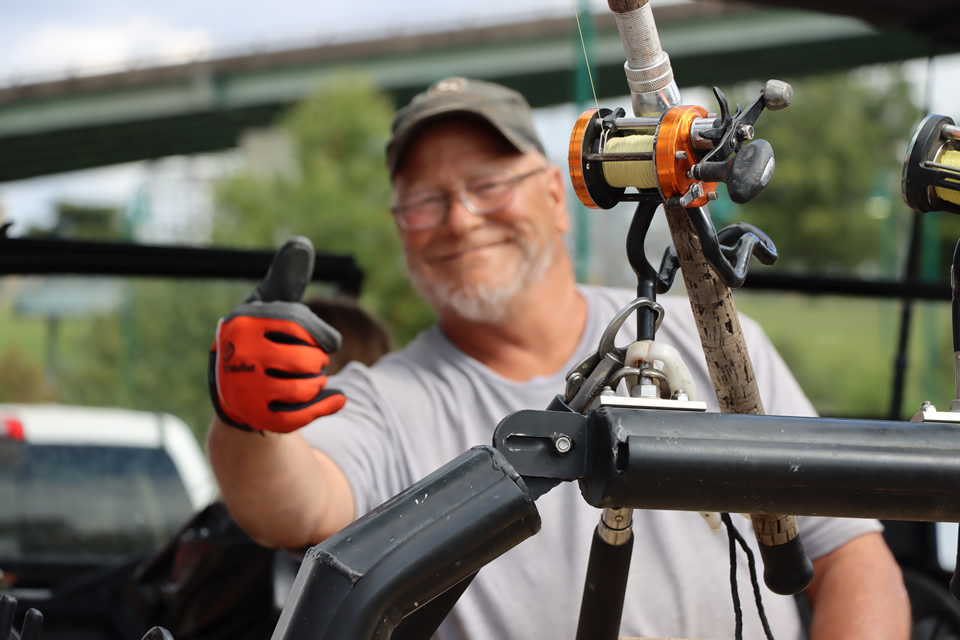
x=210, y=582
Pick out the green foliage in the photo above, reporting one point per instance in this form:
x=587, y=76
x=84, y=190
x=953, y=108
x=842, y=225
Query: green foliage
x=22, y=380
x=339, y=198
x=83, y=222
x=941, y=232
x=151, y=354
x=841, y=142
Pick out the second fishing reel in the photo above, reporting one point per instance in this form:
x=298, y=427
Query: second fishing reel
x=931, y=168
x=676, y=159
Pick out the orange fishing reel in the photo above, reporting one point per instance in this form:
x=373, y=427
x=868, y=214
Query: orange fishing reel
x=676, y=159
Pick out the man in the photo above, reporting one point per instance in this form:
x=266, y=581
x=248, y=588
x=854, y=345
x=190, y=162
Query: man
x=482, y=215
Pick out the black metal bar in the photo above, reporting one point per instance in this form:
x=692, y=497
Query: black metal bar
x=425, y=621
x=955, y=299
x=362, y=581
x=43, y=257
x=774, y=464
x=906, y=316
x=823, y=285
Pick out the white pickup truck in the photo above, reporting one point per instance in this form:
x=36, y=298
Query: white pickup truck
x=82, y=487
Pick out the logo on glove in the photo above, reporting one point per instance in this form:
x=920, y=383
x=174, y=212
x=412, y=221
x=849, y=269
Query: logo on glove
x=241, y=367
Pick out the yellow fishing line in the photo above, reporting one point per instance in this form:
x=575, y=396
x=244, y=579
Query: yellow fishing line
x=584, y=45
x=950, y=158
x=633, y=173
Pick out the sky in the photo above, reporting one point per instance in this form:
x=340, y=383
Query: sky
x=50, y=38
x=59, y=35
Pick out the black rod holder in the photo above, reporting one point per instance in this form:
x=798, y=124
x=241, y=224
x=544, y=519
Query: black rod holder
x=771, y=464
x=361, y=582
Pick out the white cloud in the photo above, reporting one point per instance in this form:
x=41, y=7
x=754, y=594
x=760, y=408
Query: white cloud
x=58, y=48
x=943, y=80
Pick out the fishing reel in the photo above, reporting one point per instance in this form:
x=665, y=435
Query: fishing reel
x=677, y=158
x=931, y=182
x=931, y=168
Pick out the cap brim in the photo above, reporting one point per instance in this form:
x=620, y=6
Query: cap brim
x=402, y=140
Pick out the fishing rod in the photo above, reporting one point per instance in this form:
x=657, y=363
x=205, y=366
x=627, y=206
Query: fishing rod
x=673, y=154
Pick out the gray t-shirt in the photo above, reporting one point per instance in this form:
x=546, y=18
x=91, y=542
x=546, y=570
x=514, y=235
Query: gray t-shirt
x=419, y=408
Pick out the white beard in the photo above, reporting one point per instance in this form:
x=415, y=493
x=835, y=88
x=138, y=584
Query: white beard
x=483, y=302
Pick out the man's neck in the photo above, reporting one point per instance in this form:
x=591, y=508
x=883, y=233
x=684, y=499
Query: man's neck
x=536, y=338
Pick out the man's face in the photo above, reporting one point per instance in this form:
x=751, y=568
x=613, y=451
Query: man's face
x=473, y=265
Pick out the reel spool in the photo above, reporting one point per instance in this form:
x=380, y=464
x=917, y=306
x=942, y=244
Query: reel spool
x=931, y=169
x=655, y=156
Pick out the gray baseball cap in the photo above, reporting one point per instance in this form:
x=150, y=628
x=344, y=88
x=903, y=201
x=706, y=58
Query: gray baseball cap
x=505, y=109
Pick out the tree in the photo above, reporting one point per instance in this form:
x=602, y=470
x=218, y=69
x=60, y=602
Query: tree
x=840, y=143
x=22, y=380
x=339, y=197
x=83, y=222
x=150, y=354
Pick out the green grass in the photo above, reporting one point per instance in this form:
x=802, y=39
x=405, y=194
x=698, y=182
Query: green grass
x=26, y=334
x=842, y=350
x=32, y=335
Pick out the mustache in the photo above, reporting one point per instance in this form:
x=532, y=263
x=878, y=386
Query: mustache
x=446, y=249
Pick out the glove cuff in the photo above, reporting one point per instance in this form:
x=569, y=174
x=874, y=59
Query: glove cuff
x=215, y=397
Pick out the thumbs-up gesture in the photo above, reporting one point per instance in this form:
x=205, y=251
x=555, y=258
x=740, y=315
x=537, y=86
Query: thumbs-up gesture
x=266, y=370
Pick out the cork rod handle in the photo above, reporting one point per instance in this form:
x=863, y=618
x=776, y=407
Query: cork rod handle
x=787, y=570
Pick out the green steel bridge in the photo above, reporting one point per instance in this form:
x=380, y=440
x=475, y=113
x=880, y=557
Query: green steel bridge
x=87, y=121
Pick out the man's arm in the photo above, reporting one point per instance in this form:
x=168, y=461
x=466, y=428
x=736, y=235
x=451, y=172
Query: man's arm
x=857, y=592
x=279, y=489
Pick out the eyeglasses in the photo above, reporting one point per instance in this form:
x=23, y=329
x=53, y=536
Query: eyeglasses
x=481, y=196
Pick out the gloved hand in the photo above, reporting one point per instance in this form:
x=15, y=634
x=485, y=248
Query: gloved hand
x=266, y=370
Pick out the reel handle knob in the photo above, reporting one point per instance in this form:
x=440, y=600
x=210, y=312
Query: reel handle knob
x=746, y=174
x=777, y=95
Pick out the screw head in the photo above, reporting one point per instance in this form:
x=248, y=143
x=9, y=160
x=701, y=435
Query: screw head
x=562, y=443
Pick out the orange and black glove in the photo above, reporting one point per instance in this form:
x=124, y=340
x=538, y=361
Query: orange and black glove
x=266, y=370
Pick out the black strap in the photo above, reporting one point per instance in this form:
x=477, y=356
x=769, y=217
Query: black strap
x=733, y=534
